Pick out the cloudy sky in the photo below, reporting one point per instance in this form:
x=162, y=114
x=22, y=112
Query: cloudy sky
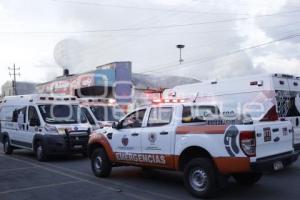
x=222, y=38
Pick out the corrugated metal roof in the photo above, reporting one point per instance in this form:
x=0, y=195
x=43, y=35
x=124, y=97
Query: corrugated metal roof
x=144, y=81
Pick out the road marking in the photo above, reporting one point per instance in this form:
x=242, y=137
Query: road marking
x=38, y=187
x=24, y=160
x=113, y=182
x=16, y=169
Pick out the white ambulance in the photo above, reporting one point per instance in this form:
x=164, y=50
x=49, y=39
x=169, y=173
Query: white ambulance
x=101, y=112
x=45, y=124
x=266, y=97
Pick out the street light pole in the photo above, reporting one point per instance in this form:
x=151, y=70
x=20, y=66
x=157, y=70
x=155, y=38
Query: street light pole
x=180, y=47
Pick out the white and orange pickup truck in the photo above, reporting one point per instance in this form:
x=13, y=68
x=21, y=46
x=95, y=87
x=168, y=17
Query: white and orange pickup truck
x=194, y=139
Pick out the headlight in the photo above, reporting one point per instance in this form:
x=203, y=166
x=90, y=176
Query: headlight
x=51, y=129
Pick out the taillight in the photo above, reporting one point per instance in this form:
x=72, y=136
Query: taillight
x=271, y=115
x=248, y=143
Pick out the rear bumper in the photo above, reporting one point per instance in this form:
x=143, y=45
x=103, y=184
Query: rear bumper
x=267, y=164
x=65, y=144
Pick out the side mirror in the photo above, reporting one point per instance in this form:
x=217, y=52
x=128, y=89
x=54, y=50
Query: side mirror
x=116, y=125
x=34, y=122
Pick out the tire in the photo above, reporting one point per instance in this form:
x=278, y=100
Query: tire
x=247, y=179
x=100, y=163
x=147, y=169
x=84, y=154
x=40, y=152
x=7, y=148
x=200, y=178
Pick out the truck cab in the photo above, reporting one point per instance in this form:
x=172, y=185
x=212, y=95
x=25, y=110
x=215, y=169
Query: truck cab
x=44, y=124
x=192, y=138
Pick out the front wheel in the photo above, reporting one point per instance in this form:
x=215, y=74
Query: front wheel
x=100, y=163
x=7, y=148
x=200, y=178
x=247, y=179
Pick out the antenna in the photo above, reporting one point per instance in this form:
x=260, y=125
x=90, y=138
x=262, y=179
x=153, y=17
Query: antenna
x=13, y=72
x=195, y=98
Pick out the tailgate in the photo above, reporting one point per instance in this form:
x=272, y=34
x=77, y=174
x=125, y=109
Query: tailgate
x=273, y=138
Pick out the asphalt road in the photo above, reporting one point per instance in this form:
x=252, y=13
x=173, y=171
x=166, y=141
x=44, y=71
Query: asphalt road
x=66, y=178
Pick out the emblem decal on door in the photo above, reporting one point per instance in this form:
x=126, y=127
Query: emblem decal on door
x=230, y=141
x=152, y=137
x=125, y=140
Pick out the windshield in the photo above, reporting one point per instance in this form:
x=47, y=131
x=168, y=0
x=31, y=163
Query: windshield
x=107, y=113
x=62, y=114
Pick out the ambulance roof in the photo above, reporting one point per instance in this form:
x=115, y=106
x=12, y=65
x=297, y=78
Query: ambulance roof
x=40, y=98
x=251, y=83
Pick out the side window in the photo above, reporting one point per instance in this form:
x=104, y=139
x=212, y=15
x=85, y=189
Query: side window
x=7, y=113
x=192, y=114
x=88, y=115
x=19, y=115
x=134, y=120
x=160, y=116
x=33, y=117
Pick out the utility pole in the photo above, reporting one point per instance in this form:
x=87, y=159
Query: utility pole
x=13, y=71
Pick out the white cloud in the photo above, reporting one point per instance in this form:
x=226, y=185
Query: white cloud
x=147, y=49
x=278, y=63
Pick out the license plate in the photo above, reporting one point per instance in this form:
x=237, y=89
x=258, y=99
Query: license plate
x=278, y=165
x=77, y=146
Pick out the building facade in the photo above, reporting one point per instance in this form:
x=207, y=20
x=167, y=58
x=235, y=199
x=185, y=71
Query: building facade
x=113, y=80
x=22, y=88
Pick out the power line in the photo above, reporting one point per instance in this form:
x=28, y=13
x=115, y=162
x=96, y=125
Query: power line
x=166, y=10
x=226, y=42
x=127, y=29
x=207, y=59
x=145, y=27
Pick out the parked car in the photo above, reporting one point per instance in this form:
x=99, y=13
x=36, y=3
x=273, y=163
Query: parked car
x=44, y=124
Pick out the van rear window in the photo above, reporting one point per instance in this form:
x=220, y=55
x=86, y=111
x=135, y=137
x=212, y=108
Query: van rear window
x=288, y=103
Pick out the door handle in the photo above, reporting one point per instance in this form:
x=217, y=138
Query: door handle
x=164, y=133
x=109, y=135
x=134, y=134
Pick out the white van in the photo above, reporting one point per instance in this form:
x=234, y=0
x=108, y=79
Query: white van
x=262, y=97
x=45, y=124
x=102, y=111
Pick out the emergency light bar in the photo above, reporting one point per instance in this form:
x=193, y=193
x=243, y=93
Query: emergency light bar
x=110, y=101
x=258, y=83
x=57, y=99
x=156, y=101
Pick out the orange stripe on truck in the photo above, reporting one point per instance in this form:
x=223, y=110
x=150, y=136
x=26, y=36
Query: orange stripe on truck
x=201, y=129
x=102, y=141
x=228, y=165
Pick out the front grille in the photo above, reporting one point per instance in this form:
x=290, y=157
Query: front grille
x=74, y=140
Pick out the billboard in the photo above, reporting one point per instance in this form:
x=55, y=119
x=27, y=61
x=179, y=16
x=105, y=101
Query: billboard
x=107, y=81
